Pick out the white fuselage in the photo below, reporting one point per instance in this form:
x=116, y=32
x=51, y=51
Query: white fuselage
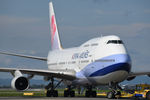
x=97, y=61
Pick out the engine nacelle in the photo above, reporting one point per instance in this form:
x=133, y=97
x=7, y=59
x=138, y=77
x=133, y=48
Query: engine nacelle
x=20, y=83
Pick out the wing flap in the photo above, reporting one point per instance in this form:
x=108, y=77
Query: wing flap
x=62, y=74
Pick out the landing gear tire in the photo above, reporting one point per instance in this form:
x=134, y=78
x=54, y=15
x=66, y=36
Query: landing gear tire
x=94, y=94
x=111, y=95
x=90, y=93
x=148, y=95
x=55, y=93
x=72, y=93
x=118, y=94
x=48, y=93
x=52, y=93
x=68, y=93
x=87, y=93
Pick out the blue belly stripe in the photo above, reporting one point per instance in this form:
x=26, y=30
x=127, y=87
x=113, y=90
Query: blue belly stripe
x=112, y=68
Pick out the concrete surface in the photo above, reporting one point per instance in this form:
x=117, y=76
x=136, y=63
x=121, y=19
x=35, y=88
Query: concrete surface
x=57, y=98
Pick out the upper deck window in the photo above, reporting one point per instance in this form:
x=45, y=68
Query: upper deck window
x=94, y=44
x=115, y=42
x=86, y=45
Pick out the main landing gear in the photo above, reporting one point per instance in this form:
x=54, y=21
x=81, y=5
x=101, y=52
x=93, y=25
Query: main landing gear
x=89, y=92
x=69, y=92
x=51, y=92
x=114, y=93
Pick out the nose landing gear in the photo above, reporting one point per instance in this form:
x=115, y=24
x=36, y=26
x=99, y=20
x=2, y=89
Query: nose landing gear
x=114, y=93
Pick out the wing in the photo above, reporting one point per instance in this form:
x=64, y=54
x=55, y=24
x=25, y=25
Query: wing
x=25, y=56
x=133, y=74
x=62, y=74
x=138, y=73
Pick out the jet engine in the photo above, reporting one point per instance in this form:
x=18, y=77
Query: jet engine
x=19, y=82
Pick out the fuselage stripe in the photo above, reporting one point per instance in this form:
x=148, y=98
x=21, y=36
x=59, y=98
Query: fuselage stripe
x=112, y=68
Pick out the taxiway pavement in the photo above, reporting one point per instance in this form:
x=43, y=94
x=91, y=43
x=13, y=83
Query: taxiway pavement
x=58, y=98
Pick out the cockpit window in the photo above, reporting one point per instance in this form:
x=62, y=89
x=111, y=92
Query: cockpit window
x=115, y=42
x=120, y=42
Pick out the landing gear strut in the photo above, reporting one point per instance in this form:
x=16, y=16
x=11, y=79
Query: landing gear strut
x=114, y=91
x=69, y=92
x=51, y=92
x=89, y=92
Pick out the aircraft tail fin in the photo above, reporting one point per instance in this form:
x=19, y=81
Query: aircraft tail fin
x=55, y=40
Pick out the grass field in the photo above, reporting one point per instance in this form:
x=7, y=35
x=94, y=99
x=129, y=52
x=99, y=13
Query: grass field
x=9, y=92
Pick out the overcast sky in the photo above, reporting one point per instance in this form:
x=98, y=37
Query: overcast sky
x=24, y=27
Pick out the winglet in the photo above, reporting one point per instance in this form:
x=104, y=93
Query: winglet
x=55, y=41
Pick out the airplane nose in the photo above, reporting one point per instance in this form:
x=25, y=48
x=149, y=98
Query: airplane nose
x=124, y=58
x=125, y=62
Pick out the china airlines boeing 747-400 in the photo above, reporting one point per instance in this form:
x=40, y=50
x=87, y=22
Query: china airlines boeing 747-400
x=99, y=61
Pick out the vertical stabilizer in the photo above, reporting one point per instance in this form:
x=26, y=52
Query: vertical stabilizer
x=55, y=41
